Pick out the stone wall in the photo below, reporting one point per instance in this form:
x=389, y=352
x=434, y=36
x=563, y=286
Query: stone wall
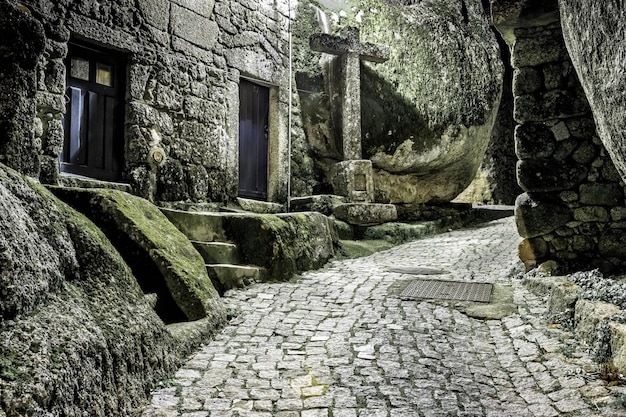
x=572, y=210
x=21, y=45
x=185, y=60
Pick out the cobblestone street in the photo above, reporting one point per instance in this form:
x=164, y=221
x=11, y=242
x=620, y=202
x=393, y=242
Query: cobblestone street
x=339, y=342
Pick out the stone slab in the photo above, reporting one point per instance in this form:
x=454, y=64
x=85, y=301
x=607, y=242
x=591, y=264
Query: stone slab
x=366, y=214
x=589, y=314
x=194, y=27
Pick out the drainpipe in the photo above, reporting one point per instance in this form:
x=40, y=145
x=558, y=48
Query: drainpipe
x=289, y=116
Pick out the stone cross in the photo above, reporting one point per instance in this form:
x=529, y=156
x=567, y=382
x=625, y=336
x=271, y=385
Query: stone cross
x=351, y=51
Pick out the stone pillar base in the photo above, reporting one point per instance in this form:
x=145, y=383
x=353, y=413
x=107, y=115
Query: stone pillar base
x=354, y=180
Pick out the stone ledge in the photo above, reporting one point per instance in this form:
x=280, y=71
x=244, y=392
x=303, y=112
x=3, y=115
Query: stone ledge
x=595, y=322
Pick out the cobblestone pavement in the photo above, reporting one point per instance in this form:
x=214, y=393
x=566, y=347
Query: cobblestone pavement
x=339, y=342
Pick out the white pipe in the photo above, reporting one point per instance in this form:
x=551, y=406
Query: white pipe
x=290, y=111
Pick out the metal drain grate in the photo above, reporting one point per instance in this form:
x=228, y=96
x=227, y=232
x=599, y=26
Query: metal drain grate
x=447, y=290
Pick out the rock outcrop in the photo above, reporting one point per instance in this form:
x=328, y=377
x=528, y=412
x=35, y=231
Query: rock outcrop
x=594, y=33
x=77, y=336
x=161, y=257
x=427, y=113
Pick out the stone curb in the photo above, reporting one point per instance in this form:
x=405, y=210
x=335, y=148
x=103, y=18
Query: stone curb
x=565, y=300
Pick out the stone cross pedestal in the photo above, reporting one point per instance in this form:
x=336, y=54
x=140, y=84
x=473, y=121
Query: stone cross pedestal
x=353, y=177
x=351, y=52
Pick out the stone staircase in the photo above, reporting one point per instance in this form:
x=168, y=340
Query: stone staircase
x=223, y=260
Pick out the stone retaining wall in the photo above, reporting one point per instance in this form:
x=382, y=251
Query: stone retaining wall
x=185, y=60
x=572, y=210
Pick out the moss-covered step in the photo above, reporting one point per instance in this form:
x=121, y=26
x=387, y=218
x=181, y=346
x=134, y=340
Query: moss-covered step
x=230, y=276
x=162, y=259
x=201, y=226
x=217, y=252
x=284, y=244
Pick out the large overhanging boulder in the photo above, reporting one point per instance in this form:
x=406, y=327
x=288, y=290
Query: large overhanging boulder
x=427, y=113
x=595, y=35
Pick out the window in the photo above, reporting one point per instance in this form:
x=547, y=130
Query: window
x=94, y=119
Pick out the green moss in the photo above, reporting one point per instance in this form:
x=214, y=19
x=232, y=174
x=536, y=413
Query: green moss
x=159, y=254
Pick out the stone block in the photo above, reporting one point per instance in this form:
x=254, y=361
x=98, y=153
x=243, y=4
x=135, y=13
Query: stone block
x=156, y=13
x=532, y=251
x=563, y=296
x=366, y=214
x=201, y=7
x=217, y=252
x=612, y=243
x=554, y=104
x=354, y=180
x=585, y=154
x=589, y=314
x=256, y=206
x=233, y=276
x=602, y=194
x=526, y=80
x=193, y=27
x=618, y=213
x=534, y=140
x=591, y=214
x=618, y=345
x=199, y=226
x=537, y=50
x=540, y=176
x=536, y=217
x=560, y=131
x=321, y=203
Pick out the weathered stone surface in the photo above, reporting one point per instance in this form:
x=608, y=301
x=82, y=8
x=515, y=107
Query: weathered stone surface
x=563, y=297
x=256, y=206
x=618, y=345
x=283, y=244
x=548, y=176
x=601, y=194
x=613, y=243
x=354, y=180
x=534, y=141
x=536, y=216
x=22, y=41
x=596, y=27
x=71, y=314
x=161, y=257
x=591, y=214
x=531, y=251
x=366, y=214
x=589, y=314
x=431, y=122
x=323, y=203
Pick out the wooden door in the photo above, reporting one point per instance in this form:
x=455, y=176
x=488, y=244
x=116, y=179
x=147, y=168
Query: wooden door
x=253, y=139
x=94, y=132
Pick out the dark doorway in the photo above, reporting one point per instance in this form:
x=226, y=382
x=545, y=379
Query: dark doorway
x=94, y=122
x=253, y=139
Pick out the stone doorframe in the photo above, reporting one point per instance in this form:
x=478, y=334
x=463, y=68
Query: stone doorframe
x=278, y=140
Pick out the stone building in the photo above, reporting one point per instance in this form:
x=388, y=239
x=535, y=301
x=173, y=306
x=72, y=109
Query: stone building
x=151, y=94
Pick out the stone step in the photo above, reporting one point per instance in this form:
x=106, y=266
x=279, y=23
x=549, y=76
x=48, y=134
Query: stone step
x=235, y=276
x=201, y=226
x=217, y=252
